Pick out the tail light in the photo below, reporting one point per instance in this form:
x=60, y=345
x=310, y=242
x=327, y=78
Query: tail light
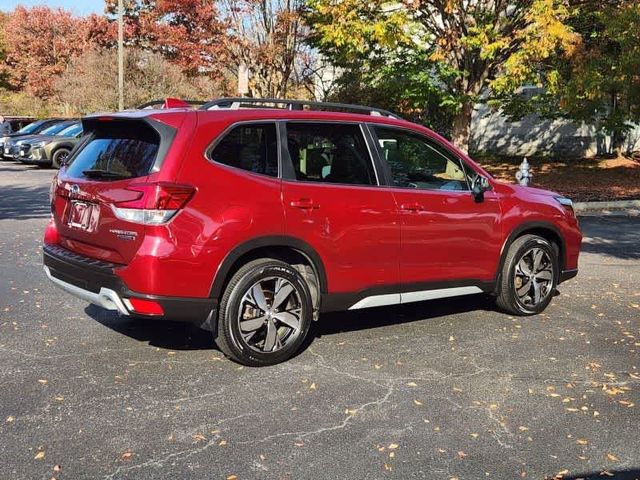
x=156, y=203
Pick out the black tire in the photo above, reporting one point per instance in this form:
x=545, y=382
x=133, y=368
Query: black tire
x=508, y=298
x=234, y=301
x=59, y=156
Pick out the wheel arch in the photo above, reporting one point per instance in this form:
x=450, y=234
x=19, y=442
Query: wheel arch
x=61, y=146
x=279, y=246
x=543, y=229
x=56, y=148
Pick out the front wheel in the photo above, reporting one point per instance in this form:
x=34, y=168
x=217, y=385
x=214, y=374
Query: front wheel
x=529, y=276
x=265, y=313
x=59, y=157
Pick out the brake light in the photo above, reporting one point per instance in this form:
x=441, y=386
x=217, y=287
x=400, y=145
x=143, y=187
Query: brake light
x=156, y=203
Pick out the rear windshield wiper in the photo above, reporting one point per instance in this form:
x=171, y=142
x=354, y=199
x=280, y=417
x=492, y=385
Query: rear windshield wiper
x=103, y=174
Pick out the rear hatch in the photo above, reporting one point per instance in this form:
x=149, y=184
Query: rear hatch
x=113, y=187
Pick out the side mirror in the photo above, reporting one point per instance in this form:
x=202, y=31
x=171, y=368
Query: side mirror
x=480, y=185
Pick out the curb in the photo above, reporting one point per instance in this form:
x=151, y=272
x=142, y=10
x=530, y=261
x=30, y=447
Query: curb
x=621, y=207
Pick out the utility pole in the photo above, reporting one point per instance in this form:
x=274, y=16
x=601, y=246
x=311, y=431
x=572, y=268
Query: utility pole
x=120, y=55
x=243, y=80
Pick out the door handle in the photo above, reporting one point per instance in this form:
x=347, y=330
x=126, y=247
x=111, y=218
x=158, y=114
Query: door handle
x=412, y=207
x=304, y=204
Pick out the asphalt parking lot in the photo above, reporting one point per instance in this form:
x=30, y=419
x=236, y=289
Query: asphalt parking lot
x=438, y=390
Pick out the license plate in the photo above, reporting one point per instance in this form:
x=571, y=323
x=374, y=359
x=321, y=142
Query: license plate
x=83, y=215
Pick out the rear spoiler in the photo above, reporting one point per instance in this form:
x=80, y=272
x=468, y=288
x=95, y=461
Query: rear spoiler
x=170, y=103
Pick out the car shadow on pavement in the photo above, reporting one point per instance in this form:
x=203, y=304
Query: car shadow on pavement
x=19, y=202
x=157, y=333
x=352, y=320
x=183, y=336
x=633, y=474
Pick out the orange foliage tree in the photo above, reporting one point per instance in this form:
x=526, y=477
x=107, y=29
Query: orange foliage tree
x=39, y=42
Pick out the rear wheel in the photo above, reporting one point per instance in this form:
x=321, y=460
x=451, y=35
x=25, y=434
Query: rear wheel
x=59, y=156
x=265, y=313
x=529, y=276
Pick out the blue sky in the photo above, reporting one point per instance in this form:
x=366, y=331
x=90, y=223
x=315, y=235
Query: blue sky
x=79, y=7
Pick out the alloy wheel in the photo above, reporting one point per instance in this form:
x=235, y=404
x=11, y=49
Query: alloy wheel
x=269, y=315
x=534, y=275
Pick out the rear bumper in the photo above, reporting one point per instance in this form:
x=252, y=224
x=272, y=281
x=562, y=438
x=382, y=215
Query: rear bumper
x=105, y=297
x=96, y=282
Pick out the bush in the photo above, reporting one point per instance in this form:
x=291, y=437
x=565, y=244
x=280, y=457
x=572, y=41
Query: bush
x=21, y=103
x=90, y=82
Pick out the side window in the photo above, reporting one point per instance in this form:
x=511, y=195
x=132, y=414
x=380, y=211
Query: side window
x=250, y=147
x=417, y=162
x=330, y=153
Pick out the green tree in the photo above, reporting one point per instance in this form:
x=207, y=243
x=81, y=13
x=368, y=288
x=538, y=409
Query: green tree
x=601, y=85
x=458, y=48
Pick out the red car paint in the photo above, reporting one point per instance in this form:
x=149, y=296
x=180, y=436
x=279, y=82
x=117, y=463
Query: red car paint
x=360, y=238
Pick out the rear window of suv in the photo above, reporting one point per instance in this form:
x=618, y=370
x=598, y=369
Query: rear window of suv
x=115, y=151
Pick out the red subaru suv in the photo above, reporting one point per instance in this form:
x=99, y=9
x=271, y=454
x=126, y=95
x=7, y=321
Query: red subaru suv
x=250, y=221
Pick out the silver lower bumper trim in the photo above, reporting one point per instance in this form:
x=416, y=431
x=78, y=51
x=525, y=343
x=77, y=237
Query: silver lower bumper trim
x=105, y=298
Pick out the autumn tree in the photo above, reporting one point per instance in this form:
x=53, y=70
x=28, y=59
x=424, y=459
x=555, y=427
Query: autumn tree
x=460, y=47
x=39, y=42
x=3, y=52
x=189, y=33
x=267, y=36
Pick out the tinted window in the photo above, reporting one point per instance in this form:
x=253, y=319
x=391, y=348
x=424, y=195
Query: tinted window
x=250, y=147
x=331, y=153
x=417, y=162
x=32, y=127
x=71, y=131
x=114, y=151
x=55, y=128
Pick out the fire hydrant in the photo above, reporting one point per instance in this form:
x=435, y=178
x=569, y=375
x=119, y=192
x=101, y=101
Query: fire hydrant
x=524, y=175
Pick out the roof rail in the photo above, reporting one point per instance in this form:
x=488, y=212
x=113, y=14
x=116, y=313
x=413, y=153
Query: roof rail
x=235, y=103
x=170, y=103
